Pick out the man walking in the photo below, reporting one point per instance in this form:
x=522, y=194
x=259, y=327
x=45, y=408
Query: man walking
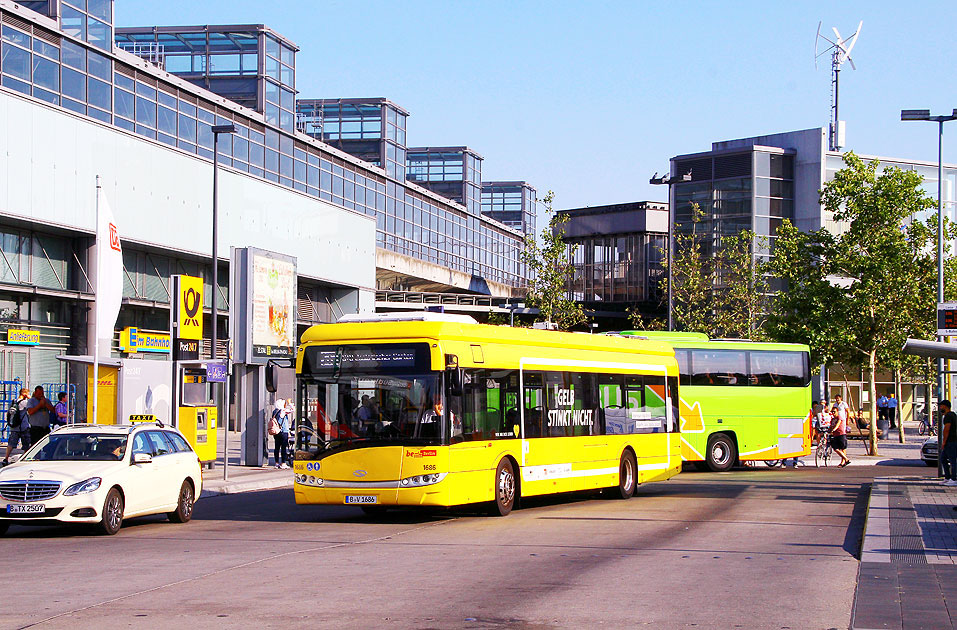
x=38, y=410
x=892, y=409
x=19, y=425
x=948, y=443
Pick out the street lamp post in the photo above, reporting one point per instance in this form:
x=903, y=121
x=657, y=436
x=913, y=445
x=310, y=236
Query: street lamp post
x=666, y=179
x=217, y=130
x=924, y=114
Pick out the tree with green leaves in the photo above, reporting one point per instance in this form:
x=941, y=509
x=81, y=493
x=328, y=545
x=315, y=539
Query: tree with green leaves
x=550, y=268
x=856, y=295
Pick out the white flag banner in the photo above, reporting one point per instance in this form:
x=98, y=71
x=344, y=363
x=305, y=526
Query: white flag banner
x=109, y=267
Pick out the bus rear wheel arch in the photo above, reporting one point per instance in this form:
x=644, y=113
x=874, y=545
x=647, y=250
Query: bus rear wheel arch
x=722, y=452
x=627, y=474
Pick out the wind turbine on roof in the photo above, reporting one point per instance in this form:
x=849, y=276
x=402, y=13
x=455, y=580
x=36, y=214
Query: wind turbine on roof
x=840, y=50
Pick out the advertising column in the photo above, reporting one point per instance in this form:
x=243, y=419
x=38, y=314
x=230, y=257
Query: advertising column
x=262, y=327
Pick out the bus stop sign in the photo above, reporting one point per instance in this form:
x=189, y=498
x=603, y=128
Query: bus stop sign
x=946, y=319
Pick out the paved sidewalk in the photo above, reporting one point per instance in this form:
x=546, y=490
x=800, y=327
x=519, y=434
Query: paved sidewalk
x=241, y=478
x=908, y=572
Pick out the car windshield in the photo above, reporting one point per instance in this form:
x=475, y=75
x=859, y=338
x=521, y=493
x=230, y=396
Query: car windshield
x=369, y=409
x=78, y=447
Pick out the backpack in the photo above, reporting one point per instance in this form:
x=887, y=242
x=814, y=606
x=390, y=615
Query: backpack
x=13, y=416
x=273, y=427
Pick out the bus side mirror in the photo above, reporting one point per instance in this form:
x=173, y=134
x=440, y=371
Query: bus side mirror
x=272, y=377
x=454, y=380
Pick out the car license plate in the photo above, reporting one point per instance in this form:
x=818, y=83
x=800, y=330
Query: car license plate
x=36, y=508
x=365, y=499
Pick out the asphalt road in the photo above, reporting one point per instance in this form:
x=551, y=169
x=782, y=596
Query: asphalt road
x=753, y=548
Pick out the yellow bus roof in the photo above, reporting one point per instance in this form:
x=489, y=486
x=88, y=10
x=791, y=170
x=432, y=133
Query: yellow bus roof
x=388, y=331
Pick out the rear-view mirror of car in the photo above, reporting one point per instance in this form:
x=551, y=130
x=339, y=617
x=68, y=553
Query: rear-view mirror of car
x=142, y=458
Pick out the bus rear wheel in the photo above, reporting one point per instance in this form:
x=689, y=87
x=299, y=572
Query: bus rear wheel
x=627, y=476
x=505, y=488
x=722, y=453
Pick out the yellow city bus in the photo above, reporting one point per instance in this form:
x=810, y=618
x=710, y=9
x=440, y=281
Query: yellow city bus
x=436, y=410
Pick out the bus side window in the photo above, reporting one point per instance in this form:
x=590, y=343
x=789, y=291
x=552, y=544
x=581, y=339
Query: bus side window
x=684, y=365
x=675, y=424
x=534, y=404
x=611, y=401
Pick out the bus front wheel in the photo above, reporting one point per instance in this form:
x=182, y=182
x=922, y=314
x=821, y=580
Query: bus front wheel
x=722, y=453
x=505, y=488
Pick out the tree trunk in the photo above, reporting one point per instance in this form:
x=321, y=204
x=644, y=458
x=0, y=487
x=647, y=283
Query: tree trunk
x=900, y=406
x=872, y=403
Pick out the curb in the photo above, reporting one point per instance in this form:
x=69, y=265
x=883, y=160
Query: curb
x=246, y=486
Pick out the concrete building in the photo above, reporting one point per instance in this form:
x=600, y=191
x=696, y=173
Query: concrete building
x=756, y=183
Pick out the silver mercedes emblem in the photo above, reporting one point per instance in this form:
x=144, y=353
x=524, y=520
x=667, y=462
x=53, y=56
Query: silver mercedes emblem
x=31, y=474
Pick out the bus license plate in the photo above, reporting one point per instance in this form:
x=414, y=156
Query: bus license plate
x=362, y=499
x=37, y=508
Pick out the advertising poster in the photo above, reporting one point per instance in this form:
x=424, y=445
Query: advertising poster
x=273, y=306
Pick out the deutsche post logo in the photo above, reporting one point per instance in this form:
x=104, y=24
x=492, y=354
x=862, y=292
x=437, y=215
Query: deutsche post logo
x=114, y=238
x=190, y=317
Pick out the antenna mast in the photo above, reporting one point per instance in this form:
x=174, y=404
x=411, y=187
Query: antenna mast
x=840, y=50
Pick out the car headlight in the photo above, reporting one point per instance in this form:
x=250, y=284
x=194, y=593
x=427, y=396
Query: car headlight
x=422, y=480
x=88, y=485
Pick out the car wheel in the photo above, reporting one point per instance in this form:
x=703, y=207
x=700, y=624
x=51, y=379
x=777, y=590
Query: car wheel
x=721, y=453
x=627, y=476
x=184, y=507
x=505, y=488
x=112, y=512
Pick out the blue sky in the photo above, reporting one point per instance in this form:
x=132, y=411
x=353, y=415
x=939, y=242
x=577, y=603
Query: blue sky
x=590, y=99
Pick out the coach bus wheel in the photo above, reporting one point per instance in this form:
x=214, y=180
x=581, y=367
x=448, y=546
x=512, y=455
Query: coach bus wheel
x=505, y=487
x=627, y=476
x=721, y=453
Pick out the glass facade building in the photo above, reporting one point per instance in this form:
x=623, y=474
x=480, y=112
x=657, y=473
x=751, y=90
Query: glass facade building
x=616, y=252
x=735, y=191
x=513, y=203
x=250, y=65
x=372, y=130
x=453, y=172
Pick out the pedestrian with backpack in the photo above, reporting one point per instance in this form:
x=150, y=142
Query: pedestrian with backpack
x=18, y=424
x=278, y=428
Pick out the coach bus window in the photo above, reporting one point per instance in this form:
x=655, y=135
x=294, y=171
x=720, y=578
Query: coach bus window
x=611, y=401
x=719, y=367
x=534, y=409
x=684, y=370
x=779, y=369
x=655, y=405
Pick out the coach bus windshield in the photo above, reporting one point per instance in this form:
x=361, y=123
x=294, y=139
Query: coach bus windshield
x=370, y=395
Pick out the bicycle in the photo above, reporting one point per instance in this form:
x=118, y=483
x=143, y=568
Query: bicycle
x=823, y=452
x=926, y=427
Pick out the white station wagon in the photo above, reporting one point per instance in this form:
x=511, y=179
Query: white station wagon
x=102, y=474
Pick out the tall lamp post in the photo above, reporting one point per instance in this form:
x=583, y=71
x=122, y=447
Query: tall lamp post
x=924, y=114
x=217, y=130
x=669, y=180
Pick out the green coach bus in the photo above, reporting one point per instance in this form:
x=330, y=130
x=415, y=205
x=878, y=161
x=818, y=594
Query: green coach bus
x=740, y=400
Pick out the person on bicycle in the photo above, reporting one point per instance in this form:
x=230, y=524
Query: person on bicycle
x=820, y=421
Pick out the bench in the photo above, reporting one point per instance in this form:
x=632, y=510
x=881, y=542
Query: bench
x=854, y=432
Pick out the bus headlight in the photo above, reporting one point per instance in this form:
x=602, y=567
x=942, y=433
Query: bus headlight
x=422, y=480
x=308, y=480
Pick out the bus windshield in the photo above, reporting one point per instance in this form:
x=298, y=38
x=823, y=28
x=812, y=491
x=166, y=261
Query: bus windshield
x=369, y=410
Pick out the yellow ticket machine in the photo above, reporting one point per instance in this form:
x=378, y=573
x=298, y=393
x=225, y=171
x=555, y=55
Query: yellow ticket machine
x=196, y=411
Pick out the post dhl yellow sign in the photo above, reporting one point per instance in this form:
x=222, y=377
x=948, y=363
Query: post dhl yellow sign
x=189, y=319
